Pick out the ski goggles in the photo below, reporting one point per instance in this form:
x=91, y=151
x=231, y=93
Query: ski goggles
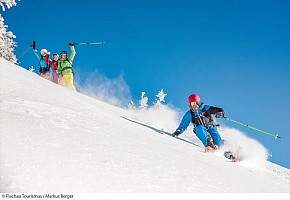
x=63, y=52
x=192, y=104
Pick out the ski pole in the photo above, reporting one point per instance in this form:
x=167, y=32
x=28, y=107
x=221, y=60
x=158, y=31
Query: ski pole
x=256, y=129
x=25, y=51
x=87, y=43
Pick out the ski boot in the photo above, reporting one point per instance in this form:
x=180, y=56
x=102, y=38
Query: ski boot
x=210, y=145
x=230, y=155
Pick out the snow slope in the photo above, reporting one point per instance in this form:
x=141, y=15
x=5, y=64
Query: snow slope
x=56, y=140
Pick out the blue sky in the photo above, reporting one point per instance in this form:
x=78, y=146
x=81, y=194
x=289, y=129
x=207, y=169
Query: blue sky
x=234, y=54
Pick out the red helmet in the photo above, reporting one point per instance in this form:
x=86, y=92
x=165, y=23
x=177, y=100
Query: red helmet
x=193, y=98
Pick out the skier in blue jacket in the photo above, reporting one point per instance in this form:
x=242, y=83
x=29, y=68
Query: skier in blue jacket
x=43, y=66
x=200, y=115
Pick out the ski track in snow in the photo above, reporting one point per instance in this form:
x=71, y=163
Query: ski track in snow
x=55, y=140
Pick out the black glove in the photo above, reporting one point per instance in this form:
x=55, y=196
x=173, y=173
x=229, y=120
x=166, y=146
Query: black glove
x=220, y=115
x=70, y=44
x=176, y=133
x=33, y=45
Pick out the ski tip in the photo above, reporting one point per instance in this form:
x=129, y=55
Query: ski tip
x=235, y=160
x=208, y=149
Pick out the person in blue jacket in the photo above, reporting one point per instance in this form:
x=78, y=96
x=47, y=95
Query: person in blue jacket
x=201, y=115
x=43, y=66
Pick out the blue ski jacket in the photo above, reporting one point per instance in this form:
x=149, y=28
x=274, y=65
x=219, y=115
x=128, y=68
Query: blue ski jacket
x=42, y=62
x=205, y=111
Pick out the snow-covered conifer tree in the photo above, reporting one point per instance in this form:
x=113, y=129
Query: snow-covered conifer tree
x=8, y=3
x=7, y=44
x=161, y=96
x=31, y=69
x=144, y=101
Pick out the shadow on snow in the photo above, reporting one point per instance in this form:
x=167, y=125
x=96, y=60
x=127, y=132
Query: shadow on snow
x=160, y=131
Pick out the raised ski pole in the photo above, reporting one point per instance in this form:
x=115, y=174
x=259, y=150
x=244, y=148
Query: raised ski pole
x=256, y=129
x=26, y=50
x=88, y=43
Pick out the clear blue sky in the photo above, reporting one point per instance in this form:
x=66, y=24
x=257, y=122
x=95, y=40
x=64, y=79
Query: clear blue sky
x=234, y=54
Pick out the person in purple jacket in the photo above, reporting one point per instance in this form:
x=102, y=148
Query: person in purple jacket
x=201, y=115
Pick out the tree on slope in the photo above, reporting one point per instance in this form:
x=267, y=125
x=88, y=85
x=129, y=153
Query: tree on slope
x=161, y=95
x=144, y=101
x=7, y=44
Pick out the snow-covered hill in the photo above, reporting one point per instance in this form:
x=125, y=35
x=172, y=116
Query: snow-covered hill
x=56, y=140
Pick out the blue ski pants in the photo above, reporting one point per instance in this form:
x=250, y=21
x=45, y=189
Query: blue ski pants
x=202, y=133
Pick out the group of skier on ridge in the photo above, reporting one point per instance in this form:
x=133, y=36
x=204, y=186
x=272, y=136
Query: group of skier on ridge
x=58, y=70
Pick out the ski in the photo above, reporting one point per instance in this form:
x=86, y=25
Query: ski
x=228, y=154
x=208, y=149
x=231, y=156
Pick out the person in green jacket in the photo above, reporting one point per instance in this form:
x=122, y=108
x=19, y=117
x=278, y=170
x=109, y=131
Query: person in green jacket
x=65, y=67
